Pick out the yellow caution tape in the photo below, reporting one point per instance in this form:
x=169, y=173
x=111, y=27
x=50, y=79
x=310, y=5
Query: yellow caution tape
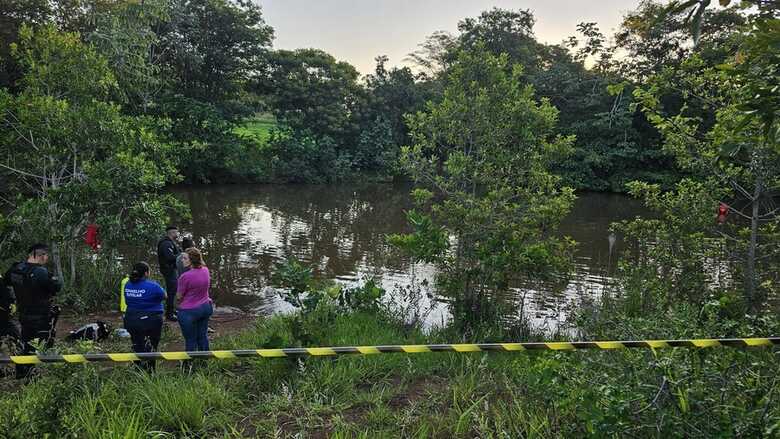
x=409, y=349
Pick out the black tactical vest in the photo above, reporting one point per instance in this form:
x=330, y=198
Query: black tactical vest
x=31, y=297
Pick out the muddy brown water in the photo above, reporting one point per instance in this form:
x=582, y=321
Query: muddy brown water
x=340, y=230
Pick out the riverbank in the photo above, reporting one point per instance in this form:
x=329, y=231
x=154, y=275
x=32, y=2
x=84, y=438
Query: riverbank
x=529, y=394
x=223, y=323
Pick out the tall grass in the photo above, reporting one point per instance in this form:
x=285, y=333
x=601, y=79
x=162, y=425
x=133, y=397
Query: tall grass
x=641, y=393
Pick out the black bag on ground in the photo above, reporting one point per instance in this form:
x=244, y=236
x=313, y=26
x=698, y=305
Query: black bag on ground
x=97, y=331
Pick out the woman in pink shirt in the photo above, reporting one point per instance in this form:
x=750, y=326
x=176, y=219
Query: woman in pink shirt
x=195, y=306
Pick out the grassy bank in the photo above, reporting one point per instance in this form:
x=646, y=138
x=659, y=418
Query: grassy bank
x=625, y=393
x=258, y=127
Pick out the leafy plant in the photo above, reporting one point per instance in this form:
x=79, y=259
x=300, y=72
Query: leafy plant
x=296, y=280
x=366, y=297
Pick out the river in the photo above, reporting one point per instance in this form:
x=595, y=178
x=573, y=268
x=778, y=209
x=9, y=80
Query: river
x=339, y=230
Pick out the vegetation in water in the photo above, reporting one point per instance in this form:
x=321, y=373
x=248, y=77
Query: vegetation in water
x=487, y=202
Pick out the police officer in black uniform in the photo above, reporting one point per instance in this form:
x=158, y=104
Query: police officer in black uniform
x=167, y=252
x=34, y=288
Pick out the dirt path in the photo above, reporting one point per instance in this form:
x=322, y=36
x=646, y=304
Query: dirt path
x=222, y=322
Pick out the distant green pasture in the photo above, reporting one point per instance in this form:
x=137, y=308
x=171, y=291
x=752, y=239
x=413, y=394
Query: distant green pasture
x=258, y=127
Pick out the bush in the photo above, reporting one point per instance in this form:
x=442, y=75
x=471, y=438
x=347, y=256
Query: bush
x=303, y=158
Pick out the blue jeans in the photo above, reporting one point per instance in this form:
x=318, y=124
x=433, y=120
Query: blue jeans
x=195, y=326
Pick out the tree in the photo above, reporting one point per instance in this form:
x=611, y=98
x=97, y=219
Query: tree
x=308, y=89
x=613, y=144
x=208, y=51
x=125, y=35
x=185, y=63
x=388, y=96
x=738, y=150
x=318, y=103
x=71, y=155
x=435, y=54
x=654, y=38
x=481, y=157
x=695, y=11
x=504, y=31
x=14, y=14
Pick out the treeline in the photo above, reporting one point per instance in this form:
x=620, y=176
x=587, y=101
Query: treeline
x=333, y=125
x=195, y=70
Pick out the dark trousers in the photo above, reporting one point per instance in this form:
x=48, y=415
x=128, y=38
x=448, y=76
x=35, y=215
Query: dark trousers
x=145, y=329
x=195, y=326
x=171, y=285
x=9, y=328
x=9, y=332
x=9, y=335
x=34, y=326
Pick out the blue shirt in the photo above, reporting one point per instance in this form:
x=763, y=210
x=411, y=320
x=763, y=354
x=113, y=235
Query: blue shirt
x=144, y=295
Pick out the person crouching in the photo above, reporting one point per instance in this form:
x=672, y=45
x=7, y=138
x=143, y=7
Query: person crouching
x=144, y=314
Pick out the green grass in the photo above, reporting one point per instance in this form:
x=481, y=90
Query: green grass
x=544, y=394
x=258, y=127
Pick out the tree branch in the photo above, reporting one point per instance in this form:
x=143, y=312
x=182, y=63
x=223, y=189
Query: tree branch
x=19, y=171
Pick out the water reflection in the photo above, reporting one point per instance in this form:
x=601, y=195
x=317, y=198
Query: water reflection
x=340, y=231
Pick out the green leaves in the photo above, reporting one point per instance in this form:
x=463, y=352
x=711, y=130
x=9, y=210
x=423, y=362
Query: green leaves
x=72, y=152
x=302, y=290
x=733, y=158
x=487, y=201
x=427, y=243
x=59, y=65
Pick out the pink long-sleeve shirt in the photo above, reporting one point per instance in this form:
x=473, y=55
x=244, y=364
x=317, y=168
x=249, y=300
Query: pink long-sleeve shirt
x=194, y=288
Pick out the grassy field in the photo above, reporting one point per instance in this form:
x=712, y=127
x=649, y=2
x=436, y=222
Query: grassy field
x=639, y=393
x=258, y=127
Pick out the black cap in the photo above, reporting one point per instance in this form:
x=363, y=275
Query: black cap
x=169, y=228
x=38, y=248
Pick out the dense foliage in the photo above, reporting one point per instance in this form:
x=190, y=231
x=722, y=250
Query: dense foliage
x=488, y=202
x=732, y=157
x=203, y=68
x=64, y=169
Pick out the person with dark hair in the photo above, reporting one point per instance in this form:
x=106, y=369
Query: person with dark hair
x=34, y=288
x=144, y=313
x=186, y=243
x=167, y=252
x=195, y=306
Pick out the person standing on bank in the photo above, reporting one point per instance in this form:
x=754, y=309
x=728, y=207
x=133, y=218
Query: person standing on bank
x=34, y=288
x=167, y=252
x=144, y=313
x=195, y=307
x=186, y=243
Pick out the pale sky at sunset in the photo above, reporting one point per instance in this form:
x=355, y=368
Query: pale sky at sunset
x=358, y=30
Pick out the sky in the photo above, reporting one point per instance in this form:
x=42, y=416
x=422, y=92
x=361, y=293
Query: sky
x=357, y=31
